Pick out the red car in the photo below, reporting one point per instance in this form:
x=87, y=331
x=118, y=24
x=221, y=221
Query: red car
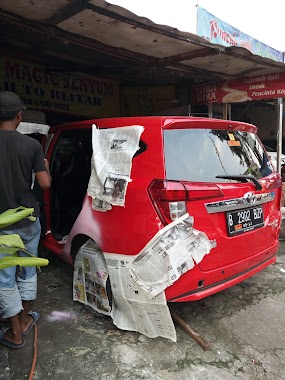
x=216, y=170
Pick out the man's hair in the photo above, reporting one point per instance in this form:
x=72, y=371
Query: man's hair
x=8, y=116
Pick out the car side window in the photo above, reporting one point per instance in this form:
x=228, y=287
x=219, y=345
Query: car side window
x=72, y=155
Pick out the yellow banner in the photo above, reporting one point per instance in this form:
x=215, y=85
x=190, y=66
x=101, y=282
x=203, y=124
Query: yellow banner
x=76, y=95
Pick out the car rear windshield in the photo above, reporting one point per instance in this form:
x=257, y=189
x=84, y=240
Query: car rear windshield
x=202, y=154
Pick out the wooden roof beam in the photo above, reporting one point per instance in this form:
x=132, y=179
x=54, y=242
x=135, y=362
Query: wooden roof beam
x=205, y=52
x=253, y=59
x=214, y=75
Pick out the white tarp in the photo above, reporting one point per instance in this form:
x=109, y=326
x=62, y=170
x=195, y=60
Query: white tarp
x=171, y=252
x=29, y=128
x=113, y=150
x=132, y=310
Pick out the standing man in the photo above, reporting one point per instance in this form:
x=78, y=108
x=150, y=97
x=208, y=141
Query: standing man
x=20, y=155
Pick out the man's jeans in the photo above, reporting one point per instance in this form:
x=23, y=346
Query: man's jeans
x=19, y=285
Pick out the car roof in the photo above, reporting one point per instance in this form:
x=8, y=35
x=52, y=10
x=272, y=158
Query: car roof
x=160, y=122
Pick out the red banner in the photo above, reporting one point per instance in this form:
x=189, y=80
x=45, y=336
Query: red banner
x=237, y=91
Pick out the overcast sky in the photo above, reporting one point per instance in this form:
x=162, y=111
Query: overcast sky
x=260, y=19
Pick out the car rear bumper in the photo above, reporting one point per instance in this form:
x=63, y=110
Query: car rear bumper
x=218, y=286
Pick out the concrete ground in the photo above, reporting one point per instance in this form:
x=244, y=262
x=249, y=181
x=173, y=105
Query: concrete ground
x=244, y=325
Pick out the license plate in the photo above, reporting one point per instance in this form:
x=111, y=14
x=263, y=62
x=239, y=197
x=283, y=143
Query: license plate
x=244, y=220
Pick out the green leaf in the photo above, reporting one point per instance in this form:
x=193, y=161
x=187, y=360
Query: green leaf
x=11, y=244
x=13, y=241
x=7, y=262
x=14, y=215
x=8, y=251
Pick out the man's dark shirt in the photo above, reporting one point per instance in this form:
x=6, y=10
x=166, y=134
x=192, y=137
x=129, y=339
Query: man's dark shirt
x=20, y=155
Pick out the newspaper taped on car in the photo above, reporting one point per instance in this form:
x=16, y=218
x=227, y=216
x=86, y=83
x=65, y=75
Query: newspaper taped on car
x=111, y=164
x=171, y=252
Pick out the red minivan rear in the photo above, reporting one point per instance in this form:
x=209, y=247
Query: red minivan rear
x=217, y=171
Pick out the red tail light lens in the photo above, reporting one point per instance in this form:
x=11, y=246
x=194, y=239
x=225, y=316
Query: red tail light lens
x=169, y=197
x=272, y=182
x=169, y=191
x=197, y=191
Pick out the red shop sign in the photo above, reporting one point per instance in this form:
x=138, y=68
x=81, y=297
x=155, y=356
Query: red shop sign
x=236, y=91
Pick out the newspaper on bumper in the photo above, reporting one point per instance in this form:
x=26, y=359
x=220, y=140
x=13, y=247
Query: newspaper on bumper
x=171, y=252
x=132, y=310
x=138, y=282
x=90, y=278
x=113, y=150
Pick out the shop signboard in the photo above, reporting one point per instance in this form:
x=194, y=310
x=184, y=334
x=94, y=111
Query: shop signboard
x=147, y=100
x=80, y=95
x=270, y=86
x=219, y=32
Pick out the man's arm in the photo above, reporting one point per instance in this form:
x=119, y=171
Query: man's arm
x=44, y=178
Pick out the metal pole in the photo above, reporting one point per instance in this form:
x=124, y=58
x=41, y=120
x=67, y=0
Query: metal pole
x=210, y=110
x=229, y=111
x=279, y=134
x=225, y=111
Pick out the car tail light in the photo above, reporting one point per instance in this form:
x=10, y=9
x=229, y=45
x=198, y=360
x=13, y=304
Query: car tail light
x=197, y=191
x=169, y=197
x=272, y=182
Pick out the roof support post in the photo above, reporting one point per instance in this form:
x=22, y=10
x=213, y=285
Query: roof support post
x=210, y=110
x=225, y=111
x=279, y=133
x=229, y=111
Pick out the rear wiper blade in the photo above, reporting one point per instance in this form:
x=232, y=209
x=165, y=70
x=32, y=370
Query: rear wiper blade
x=242, y=178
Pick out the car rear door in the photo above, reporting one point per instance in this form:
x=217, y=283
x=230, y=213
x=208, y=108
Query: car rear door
x=230, y=189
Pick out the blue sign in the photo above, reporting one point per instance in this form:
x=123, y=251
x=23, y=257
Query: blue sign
x=219, y=32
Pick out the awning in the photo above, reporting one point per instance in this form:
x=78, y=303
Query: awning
x=93, y=36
